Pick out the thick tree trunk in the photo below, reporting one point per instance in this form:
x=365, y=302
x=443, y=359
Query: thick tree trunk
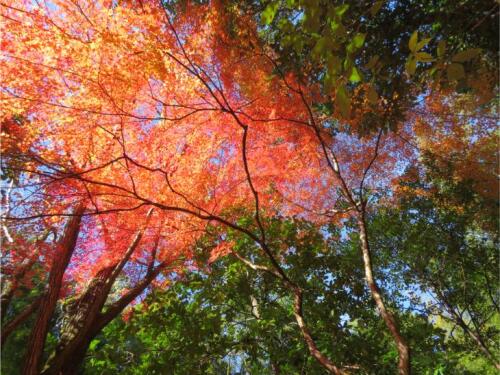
x=82, y=312
x=68, y=360
x=65, y=249
x=79, y=316
x=404, y=365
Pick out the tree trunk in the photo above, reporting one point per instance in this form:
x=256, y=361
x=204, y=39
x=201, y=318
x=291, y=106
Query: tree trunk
x=276, y=368
x=82, y=312
x=78, y=318
x=10, y=326
x=313, y=349
x=404, y=365
x=65, y=248
x=68, y=360
x=482, y=346
x=10, y=286
x=297, y=311
x=475, y=335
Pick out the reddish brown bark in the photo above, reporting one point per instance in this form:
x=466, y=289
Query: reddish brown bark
x=65, y=249
x=298, y=313
x=311, y=344
x=82, y=312
x=68, y=361
x=10, y=326
x=11, y=286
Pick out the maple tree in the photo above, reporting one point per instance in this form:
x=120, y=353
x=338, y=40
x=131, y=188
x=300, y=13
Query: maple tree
x=120, y=114
x=106, y=171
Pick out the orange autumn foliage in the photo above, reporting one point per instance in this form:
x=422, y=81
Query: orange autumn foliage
x=127, y=106
x=462, y=133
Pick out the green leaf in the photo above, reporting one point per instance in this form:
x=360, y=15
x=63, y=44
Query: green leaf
x=343, y=101
x=441, y=48
x=93, y=344
x=311, y=22
x=355, y=75
x=376, y=7
x=433, y=71
x=338, y=29
x=319, y=48
x=359, y=40
x=413, y=41
x=411, y=65
x=356, y=43
x=270, y=12
x=372, y=95
x=340, y=10
x=285, y=25
x=348, y=64
x=298, y=45
x=455, y=72
x=424, y=57
x=287, y=40
x=422, y=44
x=329, y=82
x=466, y=55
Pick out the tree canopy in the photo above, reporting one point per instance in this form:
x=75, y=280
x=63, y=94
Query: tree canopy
x=249, y=187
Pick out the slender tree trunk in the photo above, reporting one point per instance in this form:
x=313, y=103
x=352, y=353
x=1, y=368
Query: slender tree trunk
x=10, y=286
x=404, y=365
x=475, y=335
x=297, y=311
x=65, y=248
x=276, y=368
x=481, y=344
x=10, y=326
x=311, y=344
